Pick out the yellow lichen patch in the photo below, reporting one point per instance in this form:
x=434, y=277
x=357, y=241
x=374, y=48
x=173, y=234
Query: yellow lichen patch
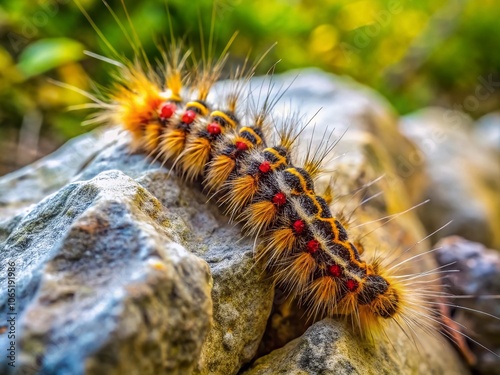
x=158, y=265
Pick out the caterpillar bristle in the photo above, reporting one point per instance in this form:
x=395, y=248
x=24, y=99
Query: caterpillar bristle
x=314, y=159
x=302, y=266
x=219, y=169
x=240, y=192
x=152, y=135
x=289, y=130
x=276, y=245
x=327, y=194
x=137, y=99
x=240, y=77
x=323, y=293
x=260, y=115
x=229, y=153
x=194, y=157
x=257, y=217
x=180, y=124
x=174, y=61
x=209, y=71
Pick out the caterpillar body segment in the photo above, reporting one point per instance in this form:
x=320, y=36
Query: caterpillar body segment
x=156, y=127
x=259, y=167
x=174, y=136
x=308, y=250
x=229, y=154
x=200, y=142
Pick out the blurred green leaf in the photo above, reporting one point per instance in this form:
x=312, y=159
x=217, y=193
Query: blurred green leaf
x=46, y=54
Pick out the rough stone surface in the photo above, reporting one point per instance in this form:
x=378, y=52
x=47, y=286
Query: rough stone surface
x=330, y=348
x=31, y=184
x=242, y=297
x=101, y=286
x=463, y=174
x=478, y=278
x=105, y=284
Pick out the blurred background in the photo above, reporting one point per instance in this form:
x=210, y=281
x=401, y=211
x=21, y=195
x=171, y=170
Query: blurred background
x=416, y=53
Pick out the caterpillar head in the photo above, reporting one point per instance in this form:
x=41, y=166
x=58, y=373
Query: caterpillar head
x=382, y=299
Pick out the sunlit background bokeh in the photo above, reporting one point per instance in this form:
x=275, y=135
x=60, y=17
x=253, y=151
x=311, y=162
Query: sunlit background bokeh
x=416, y=53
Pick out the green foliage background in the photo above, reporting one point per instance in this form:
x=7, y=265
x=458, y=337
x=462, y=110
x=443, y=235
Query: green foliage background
x=416, y=53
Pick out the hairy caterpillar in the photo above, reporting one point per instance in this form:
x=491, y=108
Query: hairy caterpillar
x=259, y=184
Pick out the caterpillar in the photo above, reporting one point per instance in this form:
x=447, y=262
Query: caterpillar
x=259, y=183
x=263, y=190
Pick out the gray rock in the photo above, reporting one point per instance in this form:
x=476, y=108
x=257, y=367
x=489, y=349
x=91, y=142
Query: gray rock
x=29, y=185
x=102, y=288
x=479, y=279
x=330, y=348
x=242, y=297
x=463, y=175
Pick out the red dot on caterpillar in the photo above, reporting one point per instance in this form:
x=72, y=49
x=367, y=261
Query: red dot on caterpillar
x=188, y=116
x=312, y=246
x=352, y=285
x=299, y=226
x=265, y=167
x=241, y=146
x=214, y=128
x=279, y=199
x=335, y=270
x=167, y=110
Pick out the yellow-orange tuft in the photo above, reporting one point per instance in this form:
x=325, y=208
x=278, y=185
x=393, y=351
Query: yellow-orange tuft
x=257, y=217
x=241, y=190
x=219, y=170
x=194, y=157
